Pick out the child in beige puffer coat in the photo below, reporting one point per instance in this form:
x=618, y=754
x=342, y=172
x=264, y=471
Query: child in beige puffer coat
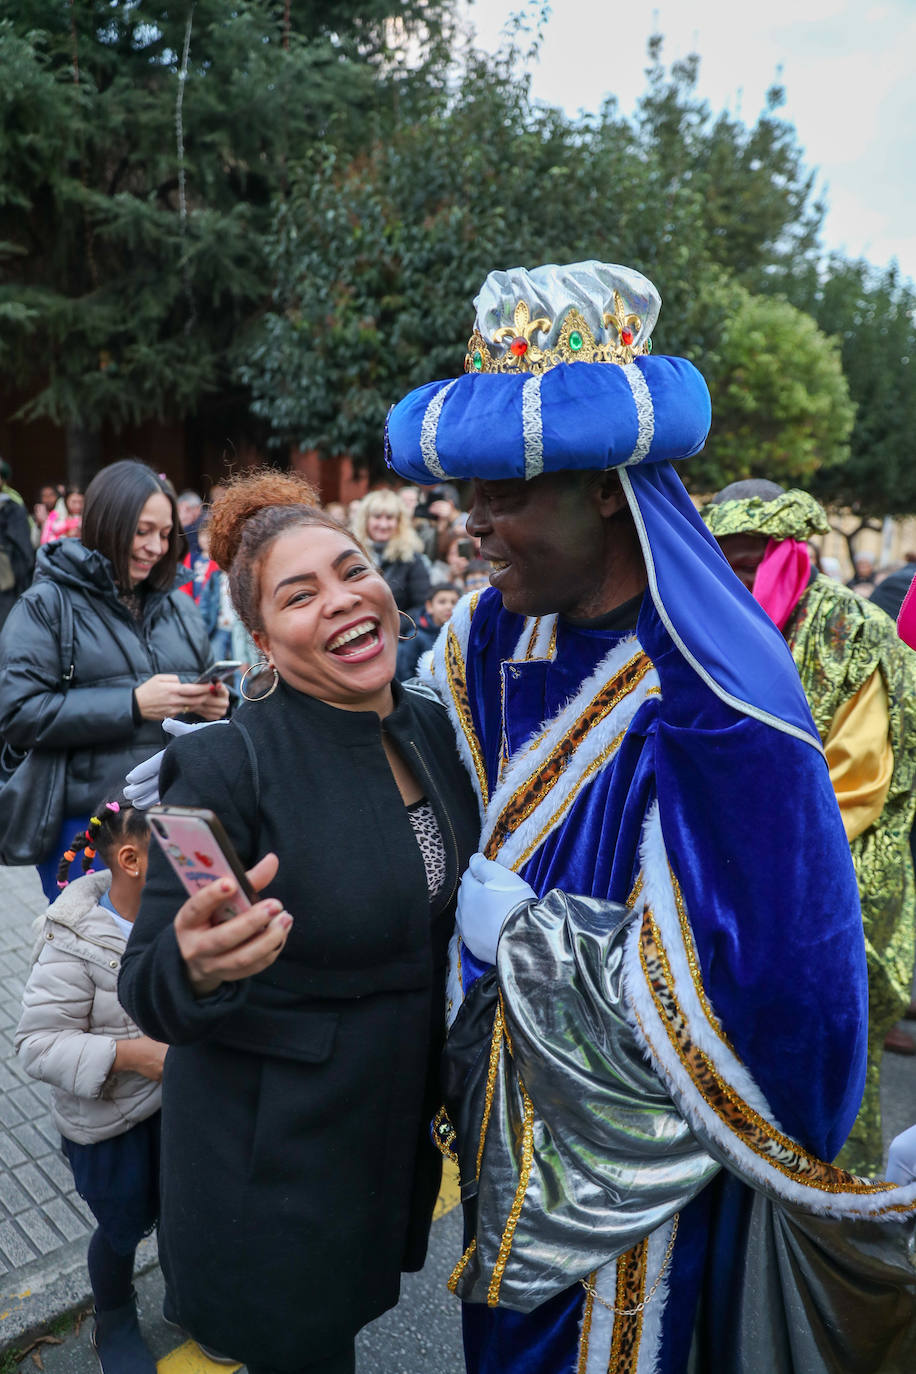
x=105, y=1075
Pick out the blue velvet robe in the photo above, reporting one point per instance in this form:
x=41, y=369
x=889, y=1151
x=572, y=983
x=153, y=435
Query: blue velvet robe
x=755, y=842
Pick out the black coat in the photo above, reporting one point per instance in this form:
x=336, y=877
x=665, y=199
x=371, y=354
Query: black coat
x=94, y=720
x=298, y=1177
x=16, y=544
x=410, y=650
x=890, y=592
x=409, y=582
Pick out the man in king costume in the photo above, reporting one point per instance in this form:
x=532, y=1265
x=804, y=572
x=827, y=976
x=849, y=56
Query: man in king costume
x=649, y=1064
x=860, y=681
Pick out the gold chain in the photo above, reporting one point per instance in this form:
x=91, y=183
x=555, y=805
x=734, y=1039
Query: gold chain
x=592, y=1291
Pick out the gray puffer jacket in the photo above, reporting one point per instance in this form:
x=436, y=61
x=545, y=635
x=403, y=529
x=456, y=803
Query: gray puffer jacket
x=72, y=1019
x=93, y=720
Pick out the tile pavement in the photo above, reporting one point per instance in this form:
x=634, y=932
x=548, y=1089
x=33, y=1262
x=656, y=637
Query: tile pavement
x=39, y=1211
x=44, y=1225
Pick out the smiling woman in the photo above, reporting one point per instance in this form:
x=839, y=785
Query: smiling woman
x=298, y=1174
x=137, y=648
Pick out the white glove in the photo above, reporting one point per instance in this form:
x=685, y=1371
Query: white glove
x=901, y=1160
x=486, y=895
x=142, y=782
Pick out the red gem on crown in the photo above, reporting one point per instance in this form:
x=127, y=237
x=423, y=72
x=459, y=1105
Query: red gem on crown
x=519, y=347
x=626, y=337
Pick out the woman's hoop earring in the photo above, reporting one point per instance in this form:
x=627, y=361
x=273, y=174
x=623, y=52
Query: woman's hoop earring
x=405, y=638
x=259, y=668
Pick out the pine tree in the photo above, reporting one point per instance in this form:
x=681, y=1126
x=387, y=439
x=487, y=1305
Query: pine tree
x=143, y=150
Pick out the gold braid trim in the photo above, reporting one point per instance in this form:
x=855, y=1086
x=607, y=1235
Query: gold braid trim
x=496, y=1041
x=505, y=1246
x=768, y=1143
x=535, y=788
x=693, y=963
x=460, y=1267
x=631, y=1291
x=566, y=802
x=586, y=1330
x=457, y=684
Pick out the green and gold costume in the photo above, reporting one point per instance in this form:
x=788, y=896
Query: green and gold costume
x=846, y=648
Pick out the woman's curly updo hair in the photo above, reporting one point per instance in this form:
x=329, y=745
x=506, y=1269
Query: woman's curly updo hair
x=247, y=517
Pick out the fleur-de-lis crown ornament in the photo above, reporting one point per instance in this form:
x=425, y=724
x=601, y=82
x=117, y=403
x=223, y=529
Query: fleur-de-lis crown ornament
x=590, y=312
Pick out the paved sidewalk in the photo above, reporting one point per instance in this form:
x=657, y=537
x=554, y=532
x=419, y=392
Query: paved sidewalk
x=44, y=1225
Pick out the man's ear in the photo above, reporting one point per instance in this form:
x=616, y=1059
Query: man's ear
x=609, y=494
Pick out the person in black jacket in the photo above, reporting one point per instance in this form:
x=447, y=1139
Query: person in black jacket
x=383, y=526
x=137, y=646
x=17, y=556
x=429, y=620
x=298, y=1175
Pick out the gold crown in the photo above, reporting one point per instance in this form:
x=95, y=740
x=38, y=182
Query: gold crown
x=576, y=342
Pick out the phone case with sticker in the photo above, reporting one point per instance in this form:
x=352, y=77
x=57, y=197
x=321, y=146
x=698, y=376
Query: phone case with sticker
x=200, y=851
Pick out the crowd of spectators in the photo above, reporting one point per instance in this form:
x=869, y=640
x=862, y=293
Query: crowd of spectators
x=419, y=539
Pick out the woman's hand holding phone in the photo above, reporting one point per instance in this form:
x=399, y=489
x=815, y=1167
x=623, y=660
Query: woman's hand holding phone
x=235, y=949
x=164, y=695
x=215, y=704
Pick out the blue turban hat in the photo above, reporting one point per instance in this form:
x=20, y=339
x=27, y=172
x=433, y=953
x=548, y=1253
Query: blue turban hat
x=560, y=376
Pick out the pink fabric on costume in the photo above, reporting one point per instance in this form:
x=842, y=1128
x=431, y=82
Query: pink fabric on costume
x=782, y=578
x=906, y=620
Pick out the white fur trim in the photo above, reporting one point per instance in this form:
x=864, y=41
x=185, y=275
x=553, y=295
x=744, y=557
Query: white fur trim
x=601, y=1330
x=601, y=1333
x=535, y=639
x=658, y=894
x=431, y=669
x=709, y=1127
x=650, y=1345
x=550, y=812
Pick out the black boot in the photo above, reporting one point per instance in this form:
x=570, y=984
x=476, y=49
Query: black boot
x=118, y=1343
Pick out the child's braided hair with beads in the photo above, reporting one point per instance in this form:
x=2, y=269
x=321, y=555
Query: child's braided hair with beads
x=114, y=821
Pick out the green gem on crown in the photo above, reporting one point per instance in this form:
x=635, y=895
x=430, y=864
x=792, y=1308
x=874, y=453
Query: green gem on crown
x=575, y=341
x=477, y=360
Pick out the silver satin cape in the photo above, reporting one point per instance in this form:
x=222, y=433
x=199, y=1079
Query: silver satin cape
x=565, y=1100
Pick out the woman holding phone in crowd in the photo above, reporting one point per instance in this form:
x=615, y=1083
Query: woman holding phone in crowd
x=137, y=646
x=298, y=1176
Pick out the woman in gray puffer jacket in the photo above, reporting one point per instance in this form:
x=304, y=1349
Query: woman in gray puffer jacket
x=138, y=647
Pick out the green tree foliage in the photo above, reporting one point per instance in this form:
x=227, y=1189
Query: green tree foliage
x=781, y=406
x=144, y=148
x=377, y=256
x=873, y=315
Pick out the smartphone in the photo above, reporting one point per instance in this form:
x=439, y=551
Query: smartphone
x=465, y=548
x=200, y=851
x=219, y=672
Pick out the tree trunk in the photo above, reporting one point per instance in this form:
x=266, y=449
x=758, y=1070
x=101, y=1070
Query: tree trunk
x=84, y=453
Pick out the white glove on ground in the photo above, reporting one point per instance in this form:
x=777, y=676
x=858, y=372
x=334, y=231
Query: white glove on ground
x=486, y=895
x=142, y=782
